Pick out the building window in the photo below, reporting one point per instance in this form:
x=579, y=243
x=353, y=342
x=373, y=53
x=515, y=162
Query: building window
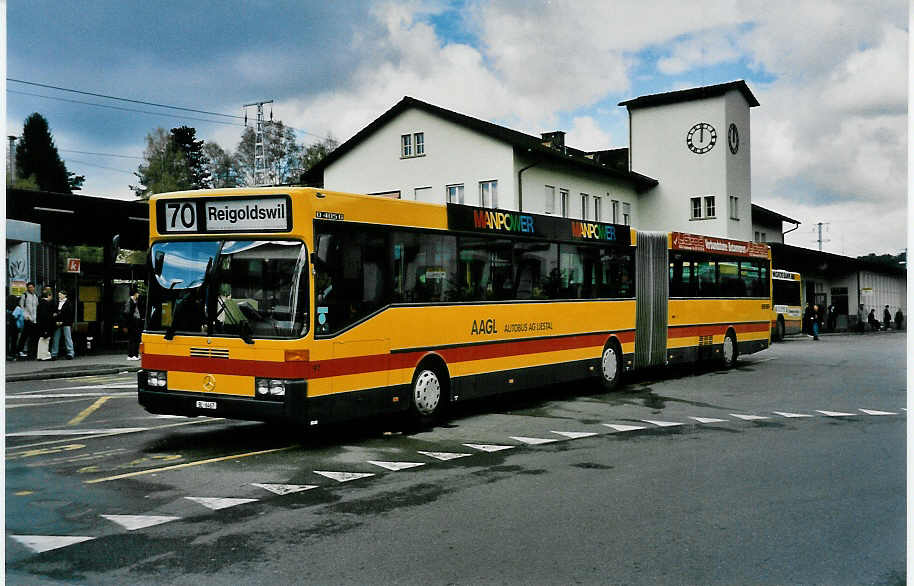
x=406, y=145
x=597, y=203
x=763, y=237
x=627, y=214
x=455, y=193
x=709, y=206
x=615, y=206
x=734, y=207
x=563, y=195
x=583, y=206
x=488, y=194
x=423, y=194
x=412, y=145
x=757, y=236
x=550, y=200
x=696, y=208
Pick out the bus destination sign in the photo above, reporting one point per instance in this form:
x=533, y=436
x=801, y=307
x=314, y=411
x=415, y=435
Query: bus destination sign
x=226, y=214
x=696, y=243
x=485, y=220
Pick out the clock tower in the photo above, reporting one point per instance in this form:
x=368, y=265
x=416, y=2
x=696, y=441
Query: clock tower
x=695, y=142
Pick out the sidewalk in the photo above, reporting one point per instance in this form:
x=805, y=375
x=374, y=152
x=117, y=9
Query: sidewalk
x=101, y=363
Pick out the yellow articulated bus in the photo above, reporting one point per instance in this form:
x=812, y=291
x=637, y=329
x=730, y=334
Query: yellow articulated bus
x=309, y=306
x=787, y=298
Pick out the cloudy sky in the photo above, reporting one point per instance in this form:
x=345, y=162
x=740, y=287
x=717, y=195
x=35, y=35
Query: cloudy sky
x=829, y=140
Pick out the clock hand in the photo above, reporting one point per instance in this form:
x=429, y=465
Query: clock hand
x=701, y=137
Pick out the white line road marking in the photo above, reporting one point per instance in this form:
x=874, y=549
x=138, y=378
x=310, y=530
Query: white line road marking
x=662, y=423
x=835, y=413
x=61, y=432
x=791, y=415
x=284, y=489
x=445, y=456
x=749, y=417
x=343, y=476
x=71, y=395
x=624, y=427
x=129, y=430
x=708, y=420
x=489, y=447
x=396, y=466
x=576, y=434
x=79, y=388
x=41, y=543
x=534, y=441
x=133, y=522
x=874, y=412
x=219, y=503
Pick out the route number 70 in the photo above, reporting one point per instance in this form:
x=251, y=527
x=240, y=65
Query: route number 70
x=180, y=216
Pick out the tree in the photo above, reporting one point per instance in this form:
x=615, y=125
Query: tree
x=164, y=167
x=37, y=158
x=313, y=154
x=184, y=139
x=75, y=181
x=222, y=166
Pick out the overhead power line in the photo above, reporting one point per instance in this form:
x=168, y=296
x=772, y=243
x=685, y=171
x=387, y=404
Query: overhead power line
x=101, y=154
x=145, y=103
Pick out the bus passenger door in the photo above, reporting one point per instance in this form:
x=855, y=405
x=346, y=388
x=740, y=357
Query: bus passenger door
x=652, y=294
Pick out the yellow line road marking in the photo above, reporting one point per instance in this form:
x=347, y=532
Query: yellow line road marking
x=186, y=465
x=45, y=451
x=88, y=411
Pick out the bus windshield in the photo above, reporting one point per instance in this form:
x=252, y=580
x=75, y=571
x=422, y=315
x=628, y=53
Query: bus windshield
x=243, y=288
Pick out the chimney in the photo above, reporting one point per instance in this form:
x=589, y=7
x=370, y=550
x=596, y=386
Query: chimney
x=555, y=139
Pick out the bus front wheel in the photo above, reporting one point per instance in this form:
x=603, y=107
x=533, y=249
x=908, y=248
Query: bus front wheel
x=730, y=350
x=611, y=367
x=427, y=396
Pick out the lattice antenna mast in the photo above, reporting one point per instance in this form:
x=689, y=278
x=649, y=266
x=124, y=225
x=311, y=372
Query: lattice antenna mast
x=260, y=160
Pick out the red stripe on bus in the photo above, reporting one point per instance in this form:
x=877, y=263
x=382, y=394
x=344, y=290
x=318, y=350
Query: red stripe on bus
x=376, y=362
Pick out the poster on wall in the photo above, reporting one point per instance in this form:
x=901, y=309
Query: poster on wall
x=17, y=267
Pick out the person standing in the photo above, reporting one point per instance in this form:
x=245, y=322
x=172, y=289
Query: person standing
x=886, y=318
x=814, y=319
x=871, y=318
x=63, y=319
x=899, y=319
x=28, y=340
x=134, y=322
x=861, y=319
x=14, y=325
x=45, y=323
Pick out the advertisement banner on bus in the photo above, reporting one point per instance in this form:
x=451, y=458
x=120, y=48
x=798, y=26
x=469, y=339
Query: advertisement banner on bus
x=696, y=243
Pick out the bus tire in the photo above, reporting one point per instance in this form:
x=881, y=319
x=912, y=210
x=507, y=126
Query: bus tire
x=611, y=366
x=427, y=395
x=780, y=329
x=730, y=351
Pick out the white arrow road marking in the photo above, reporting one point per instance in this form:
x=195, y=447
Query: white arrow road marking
x=624, y=427
x=791, y=415
x=395, y=466
x=40, y=543
x=54, y=432
x=343, y=476
x=873, y=412
x=749, y=417
x=283, y=489
x=661, y=423
x=489, y=447
x=534, y=441
x=445, y=456
x=708, y=420
x=218, y=503
x=576, y=434
x=131, y=522
x=835, y=413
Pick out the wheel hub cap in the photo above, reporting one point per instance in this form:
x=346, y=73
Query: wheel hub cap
x=609, y=364
x=427, y=392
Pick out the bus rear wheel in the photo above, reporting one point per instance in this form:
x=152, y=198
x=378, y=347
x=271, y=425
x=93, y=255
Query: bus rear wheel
x=730, y=351
x=610, y=367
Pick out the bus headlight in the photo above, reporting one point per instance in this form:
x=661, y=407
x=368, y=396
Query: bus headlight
x=270, y=388
x=156, y=378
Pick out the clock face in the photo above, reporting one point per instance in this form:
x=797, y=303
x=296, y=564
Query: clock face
x=733, y=138
x=701, y=138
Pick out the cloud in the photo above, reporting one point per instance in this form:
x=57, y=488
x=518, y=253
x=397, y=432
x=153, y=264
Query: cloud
x=586, y=134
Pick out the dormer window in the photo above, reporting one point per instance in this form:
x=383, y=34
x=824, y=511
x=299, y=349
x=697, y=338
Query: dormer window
x=412, y=145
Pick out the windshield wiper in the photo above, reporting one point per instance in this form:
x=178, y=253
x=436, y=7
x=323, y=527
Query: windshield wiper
x=170, y=331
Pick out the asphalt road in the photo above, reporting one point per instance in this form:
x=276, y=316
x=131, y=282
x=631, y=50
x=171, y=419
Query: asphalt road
x=789, y=469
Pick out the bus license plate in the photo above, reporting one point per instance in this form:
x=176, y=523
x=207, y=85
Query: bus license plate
x=206, y=404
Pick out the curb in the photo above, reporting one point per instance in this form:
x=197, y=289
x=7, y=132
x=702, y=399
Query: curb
x=14, y=378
